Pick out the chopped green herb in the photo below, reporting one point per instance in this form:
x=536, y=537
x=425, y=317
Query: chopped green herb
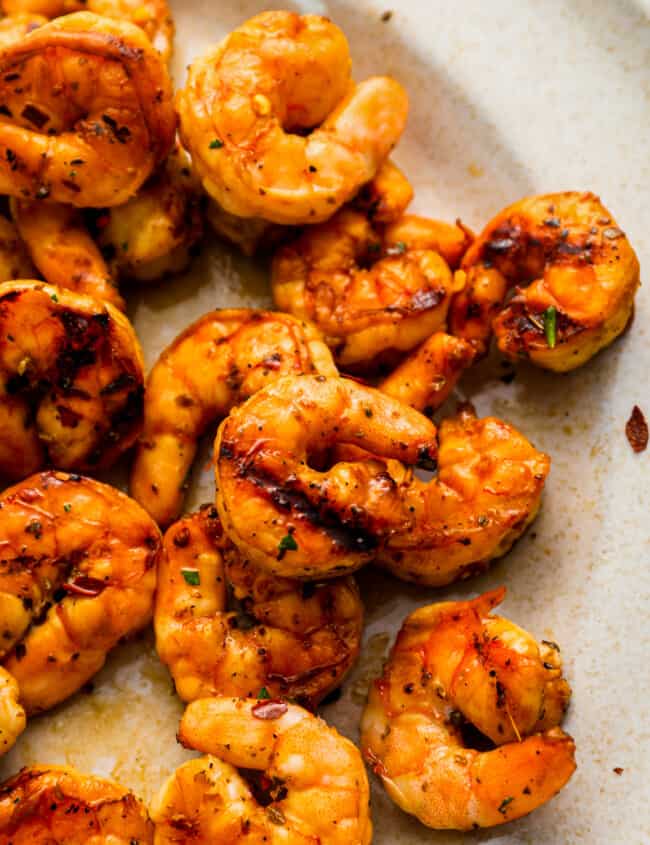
x=263, y=693
x=550, y=325
x=504, y=804
x=67, y=507
x=54, y=297
x=125, y=246
x=288, y=544
x=192, y=577
x=216, y=144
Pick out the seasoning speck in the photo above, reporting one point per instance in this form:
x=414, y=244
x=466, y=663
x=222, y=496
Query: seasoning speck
x=636, y=430
x=386, y=16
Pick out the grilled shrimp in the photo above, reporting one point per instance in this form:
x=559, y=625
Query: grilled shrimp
x=426, y=377
x=487, y=492
x=293, y=639
x=12, y=714
x=62, y=249
x=376, y=293
x=294, y=520
x=155, y=232
x=57, y=805
x=87, y=112
x=153, y=16
x=15, y=26
x=297, y=521
x=305, y=783
x=72, y=380
x=219, y=361
x=276, y=128
x=463, y=726
x=77, y=573
x=578, y=273
x=15, y=262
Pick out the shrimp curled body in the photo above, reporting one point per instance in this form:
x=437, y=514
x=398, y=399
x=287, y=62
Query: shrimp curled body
x=376, y=292
x=72, y=380
x=292, y=519
x=217, y=362
x=487, y=492
x=458, y=675
x=86, y=112
x=309, y=782
x=77, y=573
x=249, y=101
x=295, y=640
x=56, y=805
x=569, y=263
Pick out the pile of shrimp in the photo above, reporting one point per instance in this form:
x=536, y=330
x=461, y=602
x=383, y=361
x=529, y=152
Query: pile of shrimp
x=326, y=456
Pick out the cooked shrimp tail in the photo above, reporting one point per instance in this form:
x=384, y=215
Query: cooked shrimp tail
x=425, y=378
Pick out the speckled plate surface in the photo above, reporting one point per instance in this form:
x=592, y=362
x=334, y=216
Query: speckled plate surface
x=507, y=99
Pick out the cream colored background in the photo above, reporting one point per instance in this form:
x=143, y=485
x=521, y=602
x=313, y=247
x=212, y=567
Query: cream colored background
x=507, y=98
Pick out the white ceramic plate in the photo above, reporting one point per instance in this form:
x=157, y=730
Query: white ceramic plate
x=507, y=99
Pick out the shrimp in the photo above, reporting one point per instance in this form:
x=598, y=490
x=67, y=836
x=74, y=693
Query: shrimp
x=77, y=574
x=87, y=113
x=12, y=714
x=156, y=232
x=304, y=784
x=463, y=726
x=17, y=25
x=376, y=293
x=15, y=262
x=425, y=378
x=153, y=16
x=72, y=380
x=57, y=805
x=62, y=249
x=292, y=639
x=581, y=275
x=297, y=521
x=276, y=128
x=487, y=491
x=217, y=362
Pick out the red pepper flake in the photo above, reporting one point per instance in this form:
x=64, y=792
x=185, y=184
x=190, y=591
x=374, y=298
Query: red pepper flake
x=618, y=770
x=636, y=430
x=271, y=709
x=85, y=586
